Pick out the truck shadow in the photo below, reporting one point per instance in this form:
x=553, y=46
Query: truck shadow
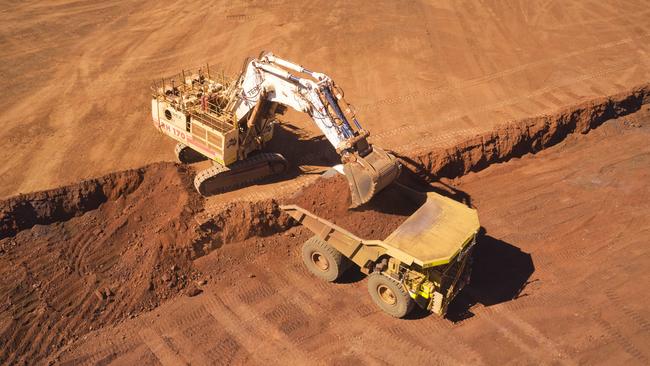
x=500, y=273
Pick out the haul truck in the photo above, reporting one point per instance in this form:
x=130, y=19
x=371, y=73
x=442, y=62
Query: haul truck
x=425, y=261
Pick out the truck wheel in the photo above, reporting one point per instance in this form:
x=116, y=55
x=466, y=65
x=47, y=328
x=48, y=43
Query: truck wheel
x=389, y=295
x=323, y=260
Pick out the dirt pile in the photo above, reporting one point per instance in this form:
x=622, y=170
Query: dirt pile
x=239, y=221
x=330, y=199
x=100, y=266
x=60, y=204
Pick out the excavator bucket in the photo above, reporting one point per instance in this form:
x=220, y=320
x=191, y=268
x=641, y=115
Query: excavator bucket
x=370, y=174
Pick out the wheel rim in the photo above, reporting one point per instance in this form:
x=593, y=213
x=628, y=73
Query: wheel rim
x=386, y=295
x=320, y=261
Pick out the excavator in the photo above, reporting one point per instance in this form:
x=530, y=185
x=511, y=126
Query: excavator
x=230, y=120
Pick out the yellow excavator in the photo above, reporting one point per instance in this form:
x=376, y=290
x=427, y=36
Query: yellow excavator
x=229, y=121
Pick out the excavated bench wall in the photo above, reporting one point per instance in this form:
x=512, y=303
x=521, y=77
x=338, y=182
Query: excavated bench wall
x=60, y=204
x=516, y=138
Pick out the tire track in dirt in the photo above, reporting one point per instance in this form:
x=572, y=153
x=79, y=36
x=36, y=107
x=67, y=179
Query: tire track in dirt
x=613, y=331
x=163, y=348
x=243, y=324
x=326, y=294
x=76, y=253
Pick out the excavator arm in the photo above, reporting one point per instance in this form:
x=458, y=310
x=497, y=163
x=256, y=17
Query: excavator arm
x=368, y=169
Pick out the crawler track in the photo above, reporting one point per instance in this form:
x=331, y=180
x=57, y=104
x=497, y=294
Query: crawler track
x=219, y=178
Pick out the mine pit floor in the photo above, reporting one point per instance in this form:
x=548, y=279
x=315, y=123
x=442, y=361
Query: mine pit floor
x=560, y=275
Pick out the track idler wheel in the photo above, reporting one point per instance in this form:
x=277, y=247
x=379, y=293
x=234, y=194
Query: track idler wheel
x=187, y=155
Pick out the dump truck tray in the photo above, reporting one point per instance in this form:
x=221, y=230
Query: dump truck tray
x=432, y=236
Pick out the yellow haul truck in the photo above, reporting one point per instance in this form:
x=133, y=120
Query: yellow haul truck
x=425, y=261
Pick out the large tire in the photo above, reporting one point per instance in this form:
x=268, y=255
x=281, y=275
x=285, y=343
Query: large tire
x=389, y=295
x=323, y=260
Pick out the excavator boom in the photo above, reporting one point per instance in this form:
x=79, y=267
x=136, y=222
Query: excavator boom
x=368, y=169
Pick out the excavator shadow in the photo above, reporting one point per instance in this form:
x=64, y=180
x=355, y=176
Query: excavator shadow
x=421, y=180
x=300, y=149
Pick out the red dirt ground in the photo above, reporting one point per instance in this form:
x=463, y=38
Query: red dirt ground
x=100, y=252
x=559, y=277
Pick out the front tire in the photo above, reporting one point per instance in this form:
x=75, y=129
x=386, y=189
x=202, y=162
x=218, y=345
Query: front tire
x=323, y=260
x=389, y=295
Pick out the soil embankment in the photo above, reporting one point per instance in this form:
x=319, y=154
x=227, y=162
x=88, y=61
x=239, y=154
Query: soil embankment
x=85, y=256
x=46, y=207
x=516, y=138
x=558, y=279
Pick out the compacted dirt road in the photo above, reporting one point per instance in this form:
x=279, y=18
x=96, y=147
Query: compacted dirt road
x=560, y=277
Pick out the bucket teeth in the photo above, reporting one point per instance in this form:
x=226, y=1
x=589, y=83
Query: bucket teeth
x=370, y=174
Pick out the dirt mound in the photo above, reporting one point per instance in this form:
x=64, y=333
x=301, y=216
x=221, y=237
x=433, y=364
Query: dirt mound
x=240, y=221
x=330, y=199
x=60, y=204
x=99, y=267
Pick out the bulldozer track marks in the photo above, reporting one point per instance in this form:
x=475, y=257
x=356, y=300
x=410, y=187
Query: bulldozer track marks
x=236, y=317
x=255, y=294
x=291, y=320
x=497, y=75
x=623, y=341
x=162, y=347
x=113, y=350
x=633, y=315
x=327, y=295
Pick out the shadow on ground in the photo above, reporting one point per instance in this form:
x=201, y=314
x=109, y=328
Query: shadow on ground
x=300, y=149
x=421, y=180
x=500, y=273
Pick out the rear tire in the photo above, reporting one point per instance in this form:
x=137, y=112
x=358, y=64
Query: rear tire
x=323, y=260
x=389, y=295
